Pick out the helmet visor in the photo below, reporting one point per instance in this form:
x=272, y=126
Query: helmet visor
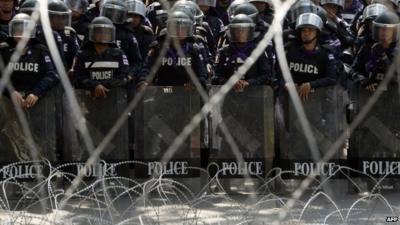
x=22, y=28
x=59, y=20
x=241, y=33
x=117, y=14
x=180, y=28
x=104, y=34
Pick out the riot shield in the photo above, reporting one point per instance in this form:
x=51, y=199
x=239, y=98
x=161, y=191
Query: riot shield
x=17, y=159
x=248, y=117
x=41, y=119
x=100, y=116
x=375, y=143
x=159, y=119
x=325, y=110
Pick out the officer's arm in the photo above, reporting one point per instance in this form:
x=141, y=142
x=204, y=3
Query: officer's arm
x=330, y=73
x=133, y=53
x=199, y=67
x=358, y=67
x=121, y=76
x=263, y=73
x=149, y=62
x=74, y=48
x=50, y=78
x=220, y=70
x=81, y=76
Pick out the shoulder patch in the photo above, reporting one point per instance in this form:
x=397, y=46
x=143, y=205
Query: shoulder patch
x=47, y=59
x=125, y=60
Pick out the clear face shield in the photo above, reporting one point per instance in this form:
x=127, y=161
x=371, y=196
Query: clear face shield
x=117, y=14
x=59, y=20
x=136, y=7
x=385, y=33
x=102, y=34
x=77, y=6
x=241, y=33
x=180, y=28
x=211, y=3
x=22, y=29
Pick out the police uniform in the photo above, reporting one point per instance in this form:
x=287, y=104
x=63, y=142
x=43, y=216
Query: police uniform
x=144, y=36
x=230, y=58
x=157, y=16
x=34, y=73
x=215, y=23
x=379, y=61
x=109, y=68
x=70, y=45
x=172, y=70
x=126, y=40
x=81, y=28
x=317, y=67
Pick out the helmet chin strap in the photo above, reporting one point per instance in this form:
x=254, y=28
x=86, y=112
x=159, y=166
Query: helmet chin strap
x=309, y=41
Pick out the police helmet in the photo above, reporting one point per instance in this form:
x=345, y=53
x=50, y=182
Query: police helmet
x=232, y=7
x=28, y=7
x=102, y=30
x=115, y=10
x=268, y=2
x=59, y=15
x=339, y=3
x=241, y=29
x=157, y=15
x=180, y=25
x=211, y=3
x=309, y=20
x=386, y=21
x=372, y=11
x=136, y=7
x=191, y=8
x=22, y=26
x=321, y=12
x=247, y=9
x=300, y=7
x=79, y=6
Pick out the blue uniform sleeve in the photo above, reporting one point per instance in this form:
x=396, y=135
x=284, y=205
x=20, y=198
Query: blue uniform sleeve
x=49, y=79
x=264, y=72
x=199, y=66
x=220, y=76
x=329, y=78
x=121, y=76
x=81, y=76
x=134, y=57
x=73, y=48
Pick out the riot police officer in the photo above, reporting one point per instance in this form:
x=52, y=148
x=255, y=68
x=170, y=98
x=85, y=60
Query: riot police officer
x=172, y=71
x=264, y=9
x=79, y=21
x=33, y=75
x=28, y=7
x=116, y=11
x=157, y=16
x=312, y=65
x=144, y=34
x=100, y=65
x=60, y=21
x=221, y=9
x=385, y=30
x=337, y=33
x=94, y=11
x=364, y=42
x=211, y=17
x=241, y=34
